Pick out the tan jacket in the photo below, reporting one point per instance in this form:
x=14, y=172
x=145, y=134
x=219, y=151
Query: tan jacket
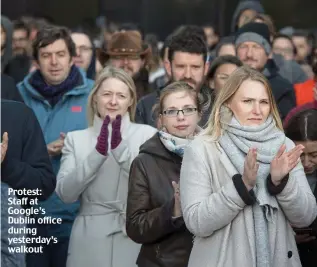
x=223, y=224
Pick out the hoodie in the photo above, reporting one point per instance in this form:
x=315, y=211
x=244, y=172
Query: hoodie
x=244, y=5
x=8, y=28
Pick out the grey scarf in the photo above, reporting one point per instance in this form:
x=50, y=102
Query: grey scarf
x=236, y=142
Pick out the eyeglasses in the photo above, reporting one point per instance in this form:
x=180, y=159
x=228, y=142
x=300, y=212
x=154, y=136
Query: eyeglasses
x=174, y=112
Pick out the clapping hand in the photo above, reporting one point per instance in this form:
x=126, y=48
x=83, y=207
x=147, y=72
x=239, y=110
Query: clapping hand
x=177, y=204
x=102, y=141
x=250, y=169
x=55, y=148
x=284, y=162
x=116, y=132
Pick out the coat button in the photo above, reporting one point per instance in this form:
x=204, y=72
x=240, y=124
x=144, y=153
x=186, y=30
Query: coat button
x=289, y=254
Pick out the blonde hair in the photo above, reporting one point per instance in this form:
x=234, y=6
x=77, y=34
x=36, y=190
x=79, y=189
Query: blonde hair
x=106, y=73
x=214, y=127
x=176, y=87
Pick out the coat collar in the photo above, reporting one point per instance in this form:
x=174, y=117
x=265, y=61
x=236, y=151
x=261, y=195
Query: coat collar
x=83, y=88
x=125, y=124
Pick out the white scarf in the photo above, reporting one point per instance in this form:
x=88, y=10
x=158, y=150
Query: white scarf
x=175, y=144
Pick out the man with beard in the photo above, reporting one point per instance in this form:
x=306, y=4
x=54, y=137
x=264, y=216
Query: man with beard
x=254, y=48
x=127, y=51
x=20, y=63
x=20, y=40
x=187, y=61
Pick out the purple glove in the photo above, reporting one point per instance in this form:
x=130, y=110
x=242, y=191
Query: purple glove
x=102, y=143
x=116, y=132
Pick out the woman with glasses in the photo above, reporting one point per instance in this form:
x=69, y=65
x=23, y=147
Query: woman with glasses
x=154, y=216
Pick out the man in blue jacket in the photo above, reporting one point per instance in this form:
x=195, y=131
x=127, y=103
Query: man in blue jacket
x=57, y=92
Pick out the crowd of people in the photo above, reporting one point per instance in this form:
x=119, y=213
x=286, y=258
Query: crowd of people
x=197, y=151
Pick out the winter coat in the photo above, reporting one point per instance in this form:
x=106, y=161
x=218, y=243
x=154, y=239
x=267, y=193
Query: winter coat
x=165, y=240
x=69, y=114
x=308, y=251
x=100, y=183
x=26, y=166
x=215, y=212
x=9, y=90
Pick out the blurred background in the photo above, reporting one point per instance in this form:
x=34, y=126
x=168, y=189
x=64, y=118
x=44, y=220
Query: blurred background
x=159, y=16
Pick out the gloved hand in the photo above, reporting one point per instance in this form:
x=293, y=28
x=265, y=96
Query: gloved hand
x=116, y=132
x=102, y=143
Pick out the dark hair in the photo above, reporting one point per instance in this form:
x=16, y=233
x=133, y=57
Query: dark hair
x=49, y=35
x=219, y=61
x=303, y=126
x=189, y=42
x=20, y=25
x=227, y=40
x=280, y=35
x=303, y=33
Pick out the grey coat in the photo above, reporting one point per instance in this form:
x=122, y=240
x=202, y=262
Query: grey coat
x=98, y=237
x=222, y=222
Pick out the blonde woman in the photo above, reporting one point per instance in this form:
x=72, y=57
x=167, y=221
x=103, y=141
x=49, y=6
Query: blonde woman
x=95, y=169
x=242, y=184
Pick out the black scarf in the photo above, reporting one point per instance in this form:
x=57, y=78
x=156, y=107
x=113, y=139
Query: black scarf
x=53, y=93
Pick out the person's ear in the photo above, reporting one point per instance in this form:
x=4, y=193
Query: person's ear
x=168, y=67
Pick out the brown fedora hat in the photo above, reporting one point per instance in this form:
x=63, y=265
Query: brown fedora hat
x=127, y=43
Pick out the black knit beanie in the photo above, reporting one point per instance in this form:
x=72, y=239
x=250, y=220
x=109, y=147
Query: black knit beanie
x=254, y=32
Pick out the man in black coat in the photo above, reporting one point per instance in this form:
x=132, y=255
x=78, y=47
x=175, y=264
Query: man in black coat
x=254, y=49
x=25, y=166
x=26, y=163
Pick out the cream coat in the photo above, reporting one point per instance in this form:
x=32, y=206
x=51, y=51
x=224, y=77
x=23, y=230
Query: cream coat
x=222, y=223
x=98, y=237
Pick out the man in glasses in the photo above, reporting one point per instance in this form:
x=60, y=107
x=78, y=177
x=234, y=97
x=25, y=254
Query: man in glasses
x=85, y=57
